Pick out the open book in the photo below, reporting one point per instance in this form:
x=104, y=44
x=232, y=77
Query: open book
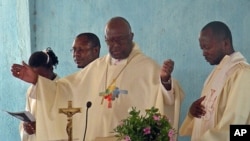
x=25, y=116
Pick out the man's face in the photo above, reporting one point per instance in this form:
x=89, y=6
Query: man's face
x=120, y=45
x=83, y=53
x=119, y=39
x=212, y=48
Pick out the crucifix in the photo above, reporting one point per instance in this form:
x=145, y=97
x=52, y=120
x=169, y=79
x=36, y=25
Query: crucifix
x=69, y=112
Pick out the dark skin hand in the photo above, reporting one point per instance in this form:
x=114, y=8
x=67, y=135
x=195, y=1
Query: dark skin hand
x=197, y=109
x=166, y=70
x=24, y=72
x=29, y=127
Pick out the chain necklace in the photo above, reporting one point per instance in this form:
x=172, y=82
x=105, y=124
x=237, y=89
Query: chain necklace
x=111, y=86
x=114, y=80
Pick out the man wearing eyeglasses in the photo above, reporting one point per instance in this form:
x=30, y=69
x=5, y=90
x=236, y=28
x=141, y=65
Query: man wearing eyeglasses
x=122, y=79
x=85, y=49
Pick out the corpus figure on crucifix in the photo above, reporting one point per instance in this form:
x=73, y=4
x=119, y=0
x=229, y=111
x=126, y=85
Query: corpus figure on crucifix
x=70, y=111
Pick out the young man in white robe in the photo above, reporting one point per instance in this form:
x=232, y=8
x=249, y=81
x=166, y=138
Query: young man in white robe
x=225, y=95
x=85, y=49
x=122, y=79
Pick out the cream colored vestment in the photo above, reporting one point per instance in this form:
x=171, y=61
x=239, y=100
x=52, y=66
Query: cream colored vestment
x=140, y=77
x=31, y=107
x=227, y=101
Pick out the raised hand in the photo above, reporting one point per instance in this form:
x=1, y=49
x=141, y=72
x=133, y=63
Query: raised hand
x=166, y=70
x=24, y=72
x=197, y=109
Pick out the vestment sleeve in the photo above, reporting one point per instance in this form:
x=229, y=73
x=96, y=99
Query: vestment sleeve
x=172, y=110
x=187, y=126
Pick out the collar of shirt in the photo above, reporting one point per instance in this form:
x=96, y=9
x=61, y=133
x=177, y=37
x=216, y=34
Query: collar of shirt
x=118, y=61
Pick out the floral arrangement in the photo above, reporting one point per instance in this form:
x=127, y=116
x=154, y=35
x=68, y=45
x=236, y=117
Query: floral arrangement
x=151, y=127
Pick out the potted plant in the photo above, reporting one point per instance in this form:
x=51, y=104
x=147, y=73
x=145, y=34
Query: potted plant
x=149, y=127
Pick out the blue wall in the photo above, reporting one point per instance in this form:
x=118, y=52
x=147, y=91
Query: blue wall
x=163, y=29
x=14, y=47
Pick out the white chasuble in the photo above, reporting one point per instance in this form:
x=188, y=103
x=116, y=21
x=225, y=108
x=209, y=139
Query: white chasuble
x=138, y=75
x=220, y=88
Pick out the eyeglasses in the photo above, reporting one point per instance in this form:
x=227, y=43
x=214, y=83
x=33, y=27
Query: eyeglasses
x=79, y=50
x=118, y=40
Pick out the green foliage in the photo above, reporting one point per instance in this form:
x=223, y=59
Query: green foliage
x=151, y=127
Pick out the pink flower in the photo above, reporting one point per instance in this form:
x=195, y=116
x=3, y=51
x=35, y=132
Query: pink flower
x=146, y=130
x=171, y=134
x=127, y=138
x=156, y=118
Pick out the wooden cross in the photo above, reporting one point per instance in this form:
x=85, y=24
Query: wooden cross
x=69, y=112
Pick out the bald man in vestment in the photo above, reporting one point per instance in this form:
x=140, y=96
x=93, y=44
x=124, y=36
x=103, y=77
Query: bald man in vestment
x=122, y=79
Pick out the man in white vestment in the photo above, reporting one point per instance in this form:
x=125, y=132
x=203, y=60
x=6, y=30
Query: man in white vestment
x=225, y=96
x=85, y=49
x=122, y=79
